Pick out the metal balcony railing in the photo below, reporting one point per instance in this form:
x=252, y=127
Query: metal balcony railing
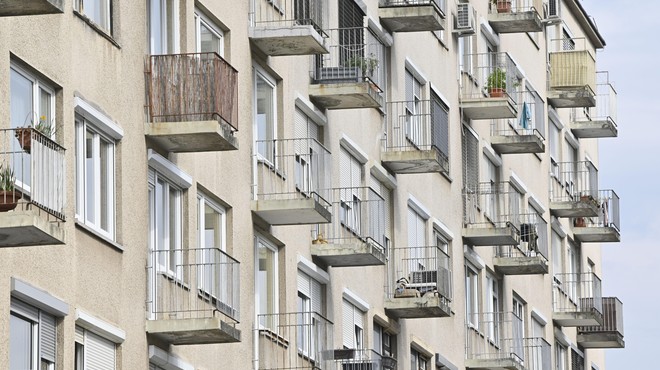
x=500, y=204
x=612, y=318
x=415, y=125
x=439, y=4
x=355, y=359
x=537, y=354
x=294, y=340
x=577, y=292
x=33, y=166
x=518, y=6
x=424, y=269
x=573, y=181
x=572, y=64
x=533, y=239
x=282, y=14
x=606, y=106
x=192, y=87
x=495, y=336
x=489, y=75
x=292, y=169
x=530, y=120
x=358, y=215
x=608, y=211
x=192, y=283
x=356, y=55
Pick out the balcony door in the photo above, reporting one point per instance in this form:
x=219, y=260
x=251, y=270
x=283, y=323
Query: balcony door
x=214, y=266
x=163, y=27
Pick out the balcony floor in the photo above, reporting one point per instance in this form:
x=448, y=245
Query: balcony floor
x=597, y=234
x=345, y=95
x=601, y=340
x=417, y=307
x=515, y=22
x=491, y=236
x=412, y=18
x=494, y=364
x=579, y=97
x=196, y=136
x=517, y=144
x=353, y=254
x=594, y=129
x=302, y=211
x=488, y=108
x=194, y=331
x=413, y=161
x=28, y=228
x=11, y=8
x=580, y=318
x=573, y=209
x=297, y=40
x=536, y=265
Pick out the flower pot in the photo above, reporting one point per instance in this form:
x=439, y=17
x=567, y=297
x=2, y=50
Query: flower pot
x=503, y=6
x=8, y=200
x=496, y=92
x=579, y=222
x=24, y=137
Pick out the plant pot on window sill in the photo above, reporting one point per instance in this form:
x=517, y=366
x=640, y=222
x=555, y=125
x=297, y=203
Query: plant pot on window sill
x=9, y=200
x=24, y=137
x=496, y=92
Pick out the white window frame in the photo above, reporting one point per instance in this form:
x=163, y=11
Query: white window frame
x=561, y=352
x=472, y=296
x=358, y=329
x=418, y=360
x=82, y=347
x=202, y=20
x=37, y=84
x=35, y=318
x=212, y=272
x=106, y=22
x=271, y=129
x=175, y=257
x=165, y=37
x=259, y=240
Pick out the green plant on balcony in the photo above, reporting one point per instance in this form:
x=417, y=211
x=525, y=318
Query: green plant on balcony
x=8, y=196
x=496, y=83
x=367, y=65
x=24, y=136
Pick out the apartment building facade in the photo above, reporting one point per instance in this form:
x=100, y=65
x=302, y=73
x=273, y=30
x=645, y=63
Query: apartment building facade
x=304, y=184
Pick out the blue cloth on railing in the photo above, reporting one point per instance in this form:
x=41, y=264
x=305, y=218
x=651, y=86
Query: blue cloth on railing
x=525, y=116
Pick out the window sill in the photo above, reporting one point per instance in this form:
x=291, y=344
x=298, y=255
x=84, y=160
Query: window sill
x=100, y=237
x=97, y=28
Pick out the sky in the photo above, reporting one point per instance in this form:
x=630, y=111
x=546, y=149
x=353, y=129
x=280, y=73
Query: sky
x=631, y=269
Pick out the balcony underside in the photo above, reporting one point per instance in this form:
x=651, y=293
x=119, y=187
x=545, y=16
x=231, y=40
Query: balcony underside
x=517, y=144
x=430, y=305
x=357, y=253
x=488, y=108
x=291, y=211
x=345, y=95
x=11, y=8
x=536, y=265
x=411, y=18
x=579, y=318
x=578, y=97
x=597, y=234
x=413, y=161
x=491, y=236
x=194, y=331
x=594, y=129
x=28, y=228
x=297, y=40
x=601, y=340
x=494, y=364
x=192, y=136
x=573, y=209
x=515, y=22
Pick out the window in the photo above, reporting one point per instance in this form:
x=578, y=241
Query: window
x=209, y=37
x=98, y=11
x=560, y=357
x=165, y=223
x=470, y=147
x=417, y=360
x=577, y=360
x=353, y=326
x=95, y=178
x=93, y=352
x=465, y=45
x=163, y=27
x=518, y=306
x=493, y=306
x=440, y=128
x=381, y=215
x=492, y=175
x=309, y=171
x=416, y=242
x=472, y=296
x=265, y=116
x=557, y=257
x=414, y=114
x=267, y=282
x=215, y=267
x=554, y=144
x=350, y=179
x=32, y=338
x=310, y=302
x=384, y=342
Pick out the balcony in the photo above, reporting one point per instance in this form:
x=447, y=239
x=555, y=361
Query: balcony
x=423, y=283
x=495, y=341
x=295, y=340
x=608, y=335
x=356, y=235
x=288, y=177
x=357, y=359
x=572, y=79
x=604, y=227
x=492, y=216
x=12, y=8
x=288, y=27
x=488, y=86
x=193, y=102
x=193, y=296
x=408, y=16
x=523, y=134
x=574, y=189
x=32, y=174
x=577, y=300
x=522, y=16
x=530, y=257
x=599, y=121
x=416, y=137
x=353, y=74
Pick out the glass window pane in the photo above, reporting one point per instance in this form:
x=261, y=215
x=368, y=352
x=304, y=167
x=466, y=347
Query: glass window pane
x=45, y=113
x=20, y=343
x=20, y=100
x=173, y=227
x=266, y=280
x=155, y=27
x=168, y=19
x=90, y=184
x=265, y=116
x=209, y=40
x=106, y=187
x=212, y=231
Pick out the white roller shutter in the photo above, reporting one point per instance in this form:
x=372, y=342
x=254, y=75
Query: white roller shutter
x=47, y=337
x=99, y=352
x=352, y=318
x=24, y=310
x=311, y=289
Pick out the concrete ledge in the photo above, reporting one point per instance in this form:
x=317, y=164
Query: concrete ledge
x=192, y=136
x=594, y=129
x=349, y=254
x=578, y=97
x=417, y=307
x=414, y=161
x=488, y=108
x=412, y=18
x=302, y=211
x=517, y=144
x=491, y=236
x=494, y=364
x=345, y=95
x=537, y=265
x=28, y=228
x=12, y=8
x=518, y=22
x=573, y=209
x=297, y=40
x=579, y=318
x=194, y=331
x=601, y=340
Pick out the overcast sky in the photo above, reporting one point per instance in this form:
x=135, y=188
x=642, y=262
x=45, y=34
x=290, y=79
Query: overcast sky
x=631, y=269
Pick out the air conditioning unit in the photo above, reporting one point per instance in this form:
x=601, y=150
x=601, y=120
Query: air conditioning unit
x=465, y=20
x=552, y=10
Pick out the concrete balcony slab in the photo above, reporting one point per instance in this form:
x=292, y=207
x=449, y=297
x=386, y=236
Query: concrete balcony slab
x=594, y=129
x=517, y=144
x=358, y=253
x=346, y=95
x=491, y=236
x=194, y=331
x=578, y=97
x=579, y=318
x=429, y=305
x=296, y=40
x=488, y=108
x=301, y=211
x=536, y=265
x=517, y=22
x=192, y=136
x=494, y=364
x=412, y=18
x=414, y=161
x=601, y=340
x=575, y=208
x=28, y=228
x=12, y=8
x=597, y=234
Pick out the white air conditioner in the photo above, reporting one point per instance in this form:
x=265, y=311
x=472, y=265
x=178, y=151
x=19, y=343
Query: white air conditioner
x=552, y=10
x=465, y=20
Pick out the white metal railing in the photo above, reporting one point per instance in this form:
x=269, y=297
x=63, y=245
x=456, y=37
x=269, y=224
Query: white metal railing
x=537, y=354
x=533, y=239
x=292, y=169
x=517, y=6
x=295, y=340
x=192, y=283
x=277, y=14
x=499, y=202
x=439, y=4
x=489, y=75
x=496, y=336
x=353, y=359
x=608, y=212
x=530, y=120
x=612, y=318
x=34, y=165
x=423, y=269
x=577, y=292
x=573, y=181
x=572, y=64
x=606, y=106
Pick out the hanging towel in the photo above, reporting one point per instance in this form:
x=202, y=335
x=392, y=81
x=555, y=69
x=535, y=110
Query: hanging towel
x=525, y=116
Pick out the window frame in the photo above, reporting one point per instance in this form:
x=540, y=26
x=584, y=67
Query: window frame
x=418, y=361
x=202, y=19
x=103, y=24
x=82, y=348
x=472, y=296
x=270, y=127
x=273, y=306
x=213, y=272
x=34, y=317
x=175, y=248
x=169, y=42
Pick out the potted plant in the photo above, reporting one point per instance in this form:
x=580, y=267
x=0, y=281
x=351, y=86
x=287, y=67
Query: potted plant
x=8, y=196
x=496, y=83
x=367, y=65
x=24, y=134
x=503, y=6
